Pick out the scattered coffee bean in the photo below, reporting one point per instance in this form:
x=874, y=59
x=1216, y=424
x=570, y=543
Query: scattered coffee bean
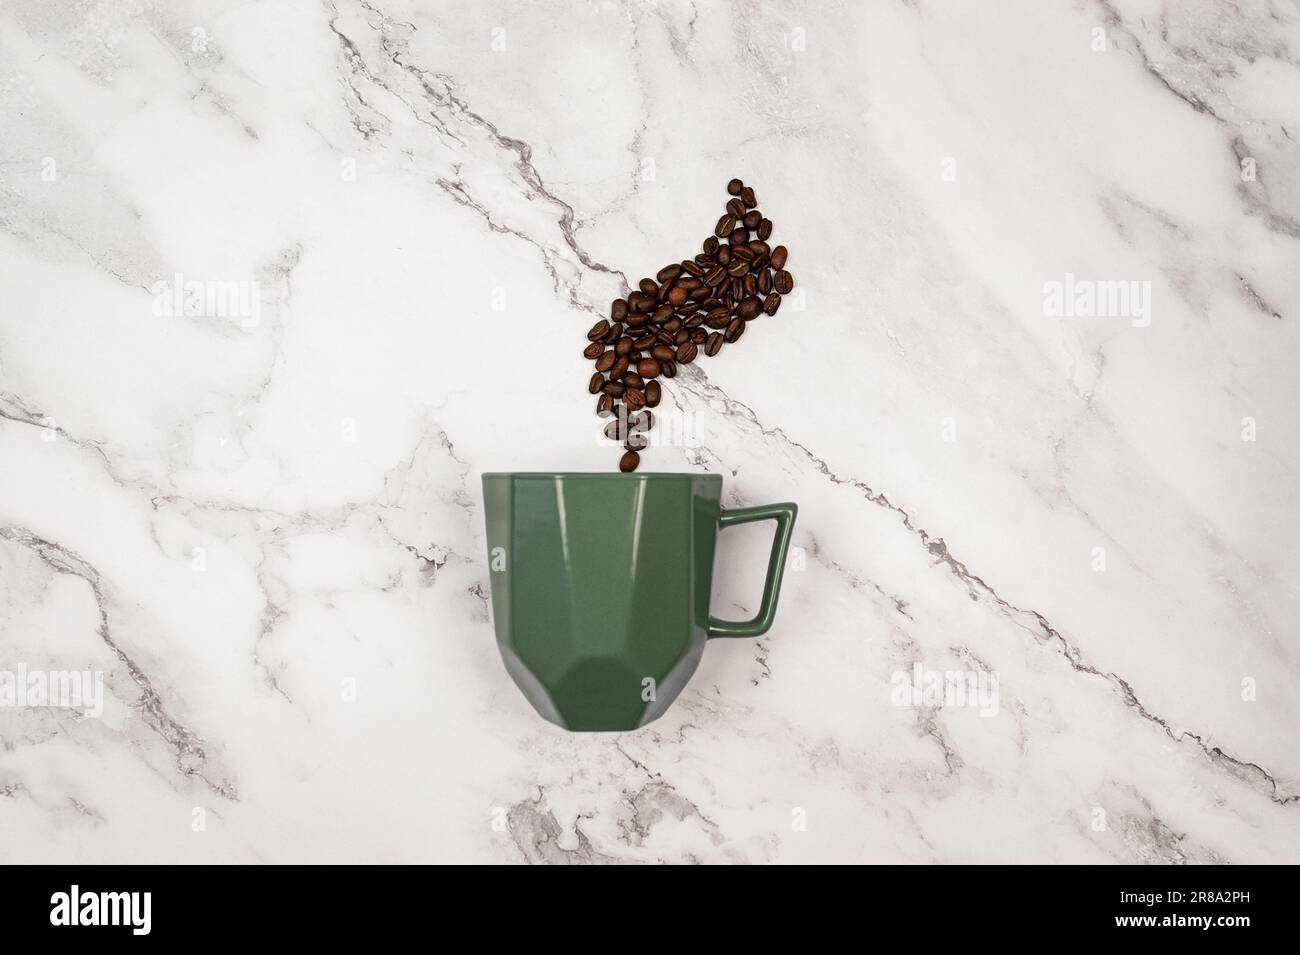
x=686, y=352
x=614, y=430
x=633, y=380
x=619, y=367
x=725, y=225
x=783, y=282
x=593, y=350
x=668, y=369
x=623, y=346
x=778, y=257
x=764, y=229
x=734, y=330
x=648, y=368
x=598, y=331
x=604, y=405
x=652, y=394
x=634, y=398
x=614, y=388
x=618, y=309
x=751, y=219
x=678, y=296
x=749, y=307
x=748, y=198
x=629, y=461
x=668, y=273
x=597, y=381
x=636, y=442
x=606, y=361
x=736, y=208
x=772, y=303
x=735, y=186
x=713, y=345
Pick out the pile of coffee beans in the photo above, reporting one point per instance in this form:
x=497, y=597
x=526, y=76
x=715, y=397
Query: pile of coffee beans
x=689, y=308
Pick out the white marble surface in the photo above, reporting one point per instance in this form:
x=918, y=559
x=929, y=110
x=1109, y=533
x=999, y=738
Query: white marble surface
x=240, y=519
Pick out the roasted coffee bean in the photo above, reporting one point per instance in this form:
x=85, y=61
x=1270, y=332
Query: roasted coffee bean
x=715, y=276
x=673, y=324
x=598, y=331
x=678, y=296
x=628, y=462
x=711, y=245
x=618, y=309
x=634, y=398
x=725, y=225
x=606, y=361
x=637, y=319
x=652, y=394
x=614, y=334
x=692, y=271
x=662, y=314
x=647, y=368
x=759, y=265
x=668, y=370
x=641, y=422
x=663, y=352
x=614, y=388
x=724, y=255
x=735, y=208
x=684, y=335
x=735, y=186
x=665, y=337
x=604, y=405
x=644, y=342
x=751, y=284
x=690, y=283
x=641, y=304
x=749, y=307
x=765, y=281
x=737, y=267
x=648, y=287
x=597, y=382
x=742, y=252
x=700, y=294
x=783, y=282
x=759, y=248
x=737, y=289
x=623, y=346
x=714, y=344
x=778, y=256
x=593, y=350
x=615, y=429
x=694, y=321
x=772, y=303
x=619, y=368
x=699, y=336
x=669, y=272
x=686, y=352
x=764, y=229
x=636, y=442
x=734, y=330
x=706, y=262
x=748, y=198
x=663, y=293
x=633, y=380
x=718, y=318
x=751, y=219
x=738, y=237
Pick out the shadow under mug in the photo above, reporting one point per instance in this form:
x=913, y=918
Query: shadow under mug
x=600, y=587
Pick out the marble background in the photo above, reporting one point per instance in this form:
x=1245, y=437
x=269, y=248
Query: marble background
x=263, y=523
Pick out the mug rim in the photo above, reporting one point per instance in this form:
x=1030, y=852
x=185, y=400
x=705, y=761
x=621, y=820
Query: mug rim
x=604, y=475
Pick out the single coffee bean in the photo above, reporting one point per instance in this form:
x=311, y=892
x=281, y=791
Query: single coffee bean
x=606, y=361
x=593, y=350
x=764, y=229
x=742, y=252
x=629, y=461
x=614, y=388
x=614, y=334
x=663, y=293
x=619, y=368
x=711, y=245
x=778, y=256
x=604, y=405
x=668, y=369
x=714, y=344
x=700, y=294
x=686, y=352
x=618, y=309
x=735, y=208
x=648, y=368
x=764, y=281
x=715, y=276
x=739, y=236
x=749, y=307
x=706, y=262
x=634, y=398
x=692, y=270
x=648, y=286
x=772, y=303
x=633, y=380
x=665, y=337
x=623, y=346
x=759, y=248
x=662, y=314
x=748, y=198
x=737, y=267
x=669, y=272
x=751, y=219
x=694, y=321
x=641, y=422
x=690, y=283
x=760, y=264
x=783, y=282
x=735, y=186
x=614, y=430
x=673, y=324
x=725, y=225
x=598, y=331
x=652, y=394
x=663, y=353
x=699, y=336
x=683, y=335
x=636, y=442
x=734, y=330
x=644, y=342
x=597, y=382
x=751, y=284
x=718, y=318
x=724, y=255
x=678, y=295
x=737, y=289
x=637, y=319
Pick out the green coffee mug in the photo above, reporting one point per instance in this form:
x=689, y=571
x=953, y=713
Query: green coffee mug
x=601, y=583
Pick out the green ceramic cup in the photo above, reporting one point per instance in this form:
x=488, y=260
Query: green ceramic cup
x=601, y=583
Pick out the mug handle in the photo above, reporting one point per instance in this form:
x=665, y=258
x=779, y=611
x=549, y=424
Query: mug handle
x=784, y=515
